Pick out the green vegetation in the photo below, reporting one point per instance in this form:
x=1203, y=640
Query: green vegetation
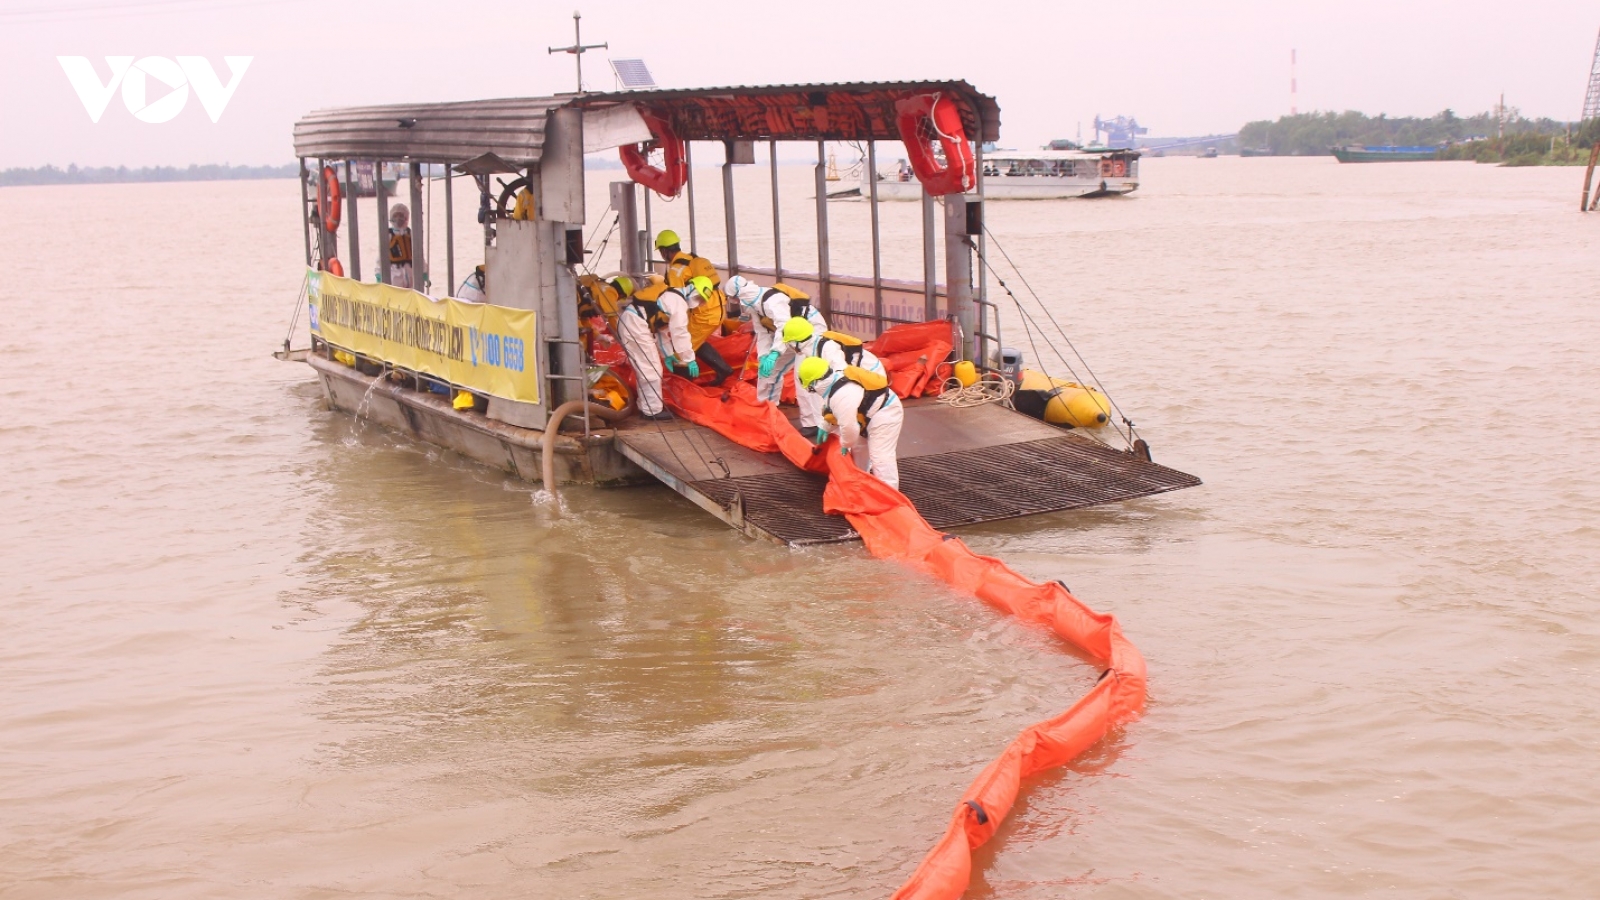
x=1526, y=149
x=1312, y=134
x=107, y=175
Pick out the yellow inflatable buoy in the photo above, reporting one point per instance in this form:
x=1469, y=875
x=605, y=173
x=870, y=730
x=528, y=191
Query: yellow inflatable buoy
x=1061, y=402
x=966, y=373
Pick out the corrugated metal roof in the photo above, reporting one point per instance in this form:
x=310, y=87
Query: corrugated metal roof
x=514, y=128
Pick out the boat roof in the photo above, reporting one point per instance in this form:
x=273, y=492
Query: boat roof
x=514, y=128
x=1051, y=155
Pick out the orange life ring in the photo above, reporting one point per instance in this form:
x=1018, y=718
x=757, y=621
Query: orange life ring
x=333, y=267
x=674, y=172
x=330, y=193
x=959, y=172
x=1119, y=168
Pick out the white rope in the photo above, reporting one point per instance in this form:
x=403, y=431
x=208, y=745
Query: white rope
x=991, y=388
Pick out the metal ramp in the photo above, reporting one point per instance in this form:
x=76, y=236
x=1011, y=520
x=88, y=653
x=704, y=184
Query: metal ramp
x=960, y=466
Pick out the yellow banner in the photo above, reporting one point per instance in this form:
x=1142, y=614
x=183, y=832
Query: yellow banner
x=483, y=348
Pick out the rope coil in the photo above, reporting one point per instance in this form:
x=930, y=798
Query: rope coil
x=991, y=388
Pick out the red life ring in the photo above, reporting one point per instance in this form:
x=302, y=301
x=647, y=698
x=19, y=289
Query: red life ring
x=331, y=213
x=333, y=267
x=670, y=178
x=959, y=173
x=1119, y=168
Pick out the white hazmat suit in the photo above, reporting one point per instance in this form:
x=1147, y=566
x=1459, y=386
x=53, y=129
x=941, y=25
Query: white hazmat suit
x=648, y=336
x=768, y=309
x=875, y=447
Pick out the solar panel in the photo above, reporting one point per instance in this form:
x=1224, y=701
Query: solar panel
x=632, y=73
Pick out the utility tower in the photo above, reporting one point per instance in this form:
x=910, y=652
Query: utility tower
x=1294, y=86
x=1591, y=109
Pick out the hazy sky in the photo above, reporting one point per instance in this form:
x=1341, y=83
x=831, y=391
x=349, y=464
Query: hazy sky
x=1182, y=67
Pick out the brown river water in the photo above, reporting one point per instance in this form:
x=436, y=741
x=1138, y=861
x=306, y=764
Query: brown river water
x=252, y=648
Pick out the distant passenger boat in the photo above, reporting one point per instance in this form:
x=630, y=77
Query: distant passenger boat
x=1360, y=154
x=1031, y=175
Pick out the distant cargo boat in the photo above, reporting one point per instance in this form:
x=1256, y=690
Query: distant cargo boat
x=1359, y=154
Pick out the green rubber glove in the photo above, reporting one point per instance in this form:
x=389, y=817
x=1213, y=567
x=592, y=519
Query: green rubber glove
x=769, y=361
x=822, y=435
x=672, y=361
x=694, y=368
x=843, y=450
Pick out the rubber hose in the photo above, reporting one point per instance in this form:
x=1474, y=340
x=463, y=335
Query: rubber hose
x=547, y=444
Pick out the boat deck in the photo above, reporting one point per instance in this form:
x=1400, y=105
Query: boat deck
x=960, y=466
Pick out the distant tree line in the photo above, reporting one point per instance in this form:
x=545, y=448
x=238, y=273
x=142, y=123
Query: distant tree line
x=73, y=174
x=1315, y=133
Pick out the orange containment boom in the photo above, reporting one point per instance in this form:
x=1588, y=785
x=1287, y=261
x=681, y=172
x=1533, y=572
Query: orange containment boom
x=891, y=528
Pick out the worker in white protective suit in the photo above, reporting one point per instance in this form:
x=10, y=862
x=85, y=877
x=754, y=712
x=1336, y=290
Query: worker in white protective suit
x=838, y=348
x=864, y=410
x=654, y=327
x=768, y=309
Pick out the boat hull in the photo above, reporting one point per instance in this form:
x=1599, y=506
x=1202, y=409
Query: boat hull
x=430, y=418
x=1372, y=156
x=1019, y=188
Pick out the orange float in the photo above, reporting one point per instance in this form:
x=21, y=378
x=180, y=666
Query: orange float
x=940, y=116
x=891, y=528
x=670, y=177
x=329, y=208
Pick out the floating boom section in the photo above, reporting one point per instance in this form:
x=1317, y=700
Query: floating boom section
x=892, y=528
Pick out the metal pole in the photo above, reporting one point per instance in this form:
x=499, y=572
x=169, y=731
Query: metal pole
x=351, y=182
x=930, y=301
x=727, y=207
x=988, y=319
x=383, y=222
x=624, y=201
x=820, y=178
x=419, y=246
x=649, y=232
x=1588, y=175
x=305, y=209
x=688, y=163
x=777, y=233
x=449, y=233
x=877, y=253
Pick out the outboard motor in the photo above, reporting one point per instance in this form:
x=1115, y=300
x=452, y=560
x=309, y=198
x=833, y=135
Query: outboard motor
x=1008, y=362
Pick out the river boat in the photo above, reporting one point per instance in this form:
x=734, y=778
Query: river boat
x=516, y=379
x=1361, y=154
x=496, y=377
x=1046, y=174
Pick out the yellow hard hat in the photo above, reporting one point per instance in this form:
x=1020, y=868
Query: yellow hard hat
x=623, y=284
x=812, y=368
x=702, y=286
x=797, y=329
x=666, y=239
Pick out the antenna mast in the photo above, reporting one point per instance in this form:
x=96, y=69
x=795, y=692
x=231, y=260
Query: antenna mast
x=578, y=46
